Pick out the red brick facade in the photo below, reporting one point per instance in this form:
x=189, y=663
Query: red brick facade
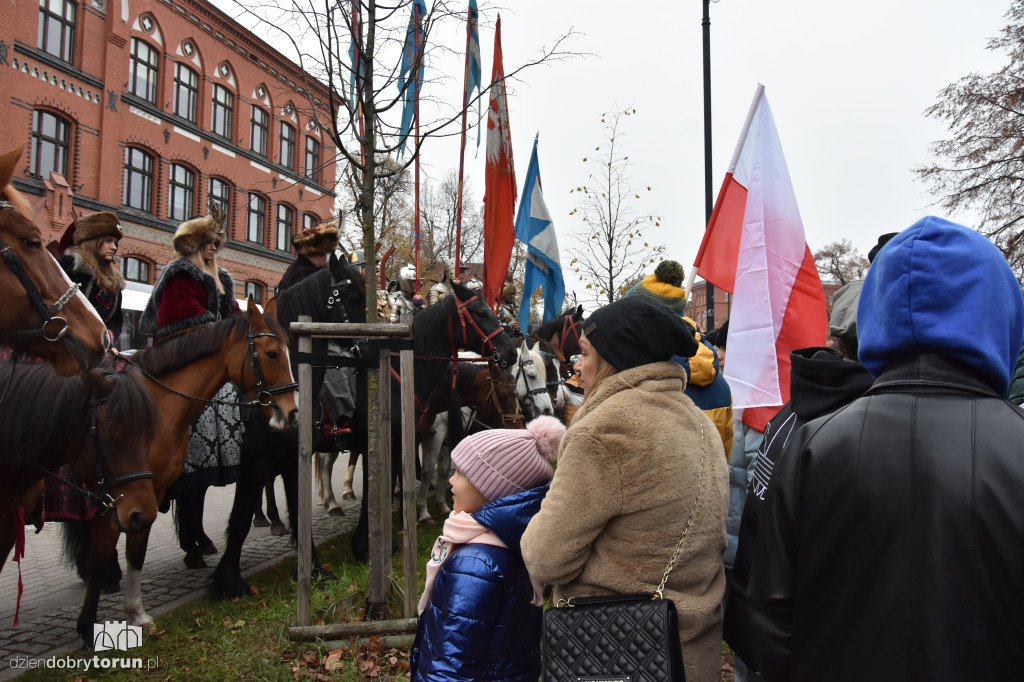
x=698, y=305
x=106, y=82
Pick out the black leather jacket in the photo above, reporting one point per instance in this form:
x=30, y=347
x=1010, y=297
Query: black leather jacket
x=878, y=516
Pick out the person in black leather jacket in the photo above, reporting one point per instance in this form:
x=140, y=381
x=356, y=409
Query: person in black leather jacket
x=891, y=544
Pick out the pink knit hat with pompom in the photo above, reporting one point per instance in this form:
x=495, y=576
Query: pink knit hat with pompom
x=501, y=462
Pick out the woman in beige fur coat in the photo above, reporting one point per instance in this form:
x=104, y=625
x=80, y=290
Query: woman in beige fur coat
x=637, y=455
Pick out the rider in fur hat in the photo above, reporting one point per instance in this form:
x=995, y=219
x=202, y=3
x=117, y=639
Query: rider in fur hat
x=312, y=246
x=90, y=263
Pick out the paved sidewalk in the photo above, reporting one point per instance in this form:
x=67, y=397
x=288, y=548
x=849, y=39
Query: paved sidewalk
x=53, y=593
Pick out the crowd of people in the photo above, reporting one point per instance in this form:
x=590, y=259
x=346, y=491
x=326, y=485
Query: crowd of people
x=868, y=531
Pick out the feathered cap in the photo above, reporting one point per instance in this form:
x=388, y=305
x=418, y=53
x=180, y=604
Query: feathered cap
x=96, y=226
x=191, y=235
x=665, y=285
x=317, y=240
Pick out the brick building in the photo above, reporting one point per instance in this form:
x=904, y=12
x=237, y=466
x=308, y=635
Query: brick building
x=698, y=306
x=153, y=109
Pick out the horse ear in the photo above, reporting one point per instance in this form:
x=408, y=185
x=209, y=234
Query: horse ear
x=556, y=340
x=271, y=307
x=8, y=162
x=579, y=311
x=252, y=313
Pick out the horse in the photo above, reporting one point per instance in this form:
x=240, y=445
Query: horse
x=563, y=333
x=183, y=374
x=46, y=418
x=43, y=314
x=461, y=321
x=490, y=402
x=334, y=294
x=531, y=381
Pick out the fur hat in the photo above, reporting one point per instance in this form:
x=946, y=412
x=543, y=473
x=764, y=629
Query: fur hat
x=191, y=235
x=638, y=330
x=317, y=240
x=665, y=285
x=508, y=290
x=501, y=462
x=96, y=226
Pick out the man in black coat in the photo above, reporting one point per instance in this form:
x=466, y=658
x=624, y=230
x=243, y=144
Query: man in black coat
x=891, y=544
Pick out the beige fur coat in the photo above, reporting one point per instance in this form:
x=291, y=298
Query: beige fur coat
x=624, y=486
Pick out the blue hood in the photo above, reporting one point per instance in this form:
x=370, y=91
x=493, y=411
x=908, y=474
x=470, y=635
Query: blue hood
x=939, y=287
x=507, y=516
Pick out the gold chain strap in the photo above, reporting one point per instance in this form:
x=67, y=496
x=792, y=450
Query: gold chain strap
x=686, y=528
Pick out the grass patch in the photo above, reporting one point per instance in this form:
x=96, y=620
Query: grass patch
x=247, y=639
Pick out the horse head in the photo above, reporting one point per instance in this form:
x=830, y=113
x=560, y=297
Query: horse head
x=43, y=313
x=266, y=370
x=479, y=328
x=122, y=424
x=502, y=399
x=531, y=383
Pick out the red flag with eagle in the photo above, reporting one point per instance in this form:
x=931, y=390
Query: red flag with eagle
x=499, y=184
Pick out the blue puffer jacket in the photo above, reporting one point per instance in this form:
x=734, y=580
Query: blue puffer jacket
x=480, y=624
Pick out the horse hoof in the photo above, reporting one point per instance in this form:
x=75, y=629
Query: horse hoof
x=424, y=516
x=260, y=522
x=111, y=587
x=278, y=529
x=349, y=495
x=335, y=511
x=207, y=548
x=194, y=560
x=322, y=575
x=445, y=511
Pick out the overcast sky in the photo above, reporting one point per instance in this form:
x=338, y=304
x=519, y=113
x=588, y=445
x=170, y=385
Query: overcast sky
x=847, y=82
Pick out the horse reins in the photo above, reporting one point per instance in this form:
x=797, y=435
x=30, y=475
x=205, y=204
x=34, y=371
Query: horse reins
x=48, y=315
x=528, y=400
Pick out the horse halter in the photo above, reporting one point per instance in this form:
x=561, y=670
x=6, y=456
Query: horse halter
x=528, y=400
x=264, y=396
x=508, y=420
x=48, y=315
x=103, y=481
x=464, y=316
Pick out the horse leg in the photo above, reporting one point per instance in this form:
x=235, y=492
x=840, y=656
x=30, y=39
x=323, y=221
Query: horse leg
x=444, y=464
x=349, y=493
x=325, y=464
x=135, y=556
x=277, y=526
x=187, y=509
x=228, y=582
x=429, y=448
x=259, y=519
x=103, y=544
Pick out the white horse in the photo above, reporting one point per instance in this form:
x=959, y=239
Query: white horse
x=530, y=375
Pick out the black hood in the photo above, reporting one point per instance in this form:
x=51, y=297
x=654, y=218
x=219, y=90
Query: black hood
x=822, y=381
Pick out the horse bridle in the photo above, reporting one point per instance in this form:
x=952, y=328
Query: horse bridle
x=464, y=316
x=264, y=396
x=507, y=420
x=48, y=315
x=528, y=400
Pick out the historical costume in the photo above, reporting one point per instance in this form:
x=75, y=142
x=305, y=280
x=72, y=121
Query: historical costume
x=90, y=263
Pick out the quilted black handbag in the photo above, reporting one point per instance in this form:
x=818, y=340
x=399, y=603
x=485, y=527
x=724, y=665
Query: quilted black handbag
x=620, y=637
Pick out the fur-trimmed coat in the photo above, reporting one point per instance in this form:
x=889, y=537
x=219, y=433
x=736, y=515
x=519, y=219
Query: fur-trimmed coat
x=108, y=307
x=185, y=296
x=626, y=480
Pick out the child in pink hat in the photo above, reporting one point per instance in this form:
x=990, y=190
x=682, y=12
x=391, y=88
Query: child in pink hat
x=480, y=613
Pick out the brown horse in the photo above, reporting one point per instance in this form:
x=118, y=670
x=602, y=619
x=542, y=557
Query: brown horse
x=43, y=313
x=100, y=423
x=183, y=374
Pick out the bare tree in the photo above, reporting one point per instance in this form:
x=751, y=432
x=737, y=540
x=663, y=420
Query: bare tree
x=611, y=251
x=841, y=262
x=981, y=165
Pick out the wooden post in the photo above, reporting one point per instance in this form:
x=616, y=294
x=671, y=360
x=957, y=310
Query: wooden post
x=305, y=502
x=379, y=499
x=409, y=482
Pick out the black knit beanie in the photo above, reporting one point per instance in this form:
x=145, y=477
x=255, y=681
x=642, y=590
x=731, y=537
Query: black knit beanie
x=638, y=330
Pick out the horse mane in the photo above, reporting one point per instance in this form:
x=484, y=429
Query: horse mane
x=550, y=328
x=40, y=407
x=131, y=403
x=199, y=342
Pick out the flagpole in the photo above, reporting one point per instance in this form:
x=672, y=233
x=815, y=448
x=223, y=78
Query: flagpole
x=416, y=116
x=462, y=144
x=709, y=202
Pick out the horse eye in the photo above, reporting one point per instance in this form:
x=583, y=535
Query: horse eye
x=32, y=242
x=272, y=355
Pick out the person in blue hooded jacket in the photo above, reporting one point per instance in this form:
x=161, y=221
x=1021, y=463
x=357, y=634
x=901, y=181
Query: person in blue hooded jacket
x=480, y=613
x=891, y=543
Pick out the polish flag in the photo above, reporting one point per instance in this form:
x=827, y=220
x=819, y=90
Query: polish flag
x=754, y=248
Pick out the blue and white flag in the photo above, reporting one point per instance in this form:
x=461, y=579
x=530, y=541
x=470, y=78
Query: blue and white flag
x=410, y=94
x=535, y=229
x=473, y=72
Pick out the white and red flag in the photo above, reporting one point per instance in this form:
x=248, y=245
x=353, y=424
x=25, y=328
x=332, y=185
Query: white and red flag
x=754, y=248
x=499, y=184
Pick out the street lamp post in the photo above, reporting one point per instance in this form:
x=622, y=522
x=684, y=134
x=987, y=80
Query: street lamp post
x=709, y=203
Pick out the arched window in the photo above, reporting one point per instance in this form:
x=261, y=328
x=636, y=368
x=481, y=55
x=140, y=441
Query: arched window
x=309, y=221
x=50, y=135
x=222, y=111
x=181, y=193
x=312, y=166
x=256, y=289
x=286, y=149
x=220, y=193
x=56, y=34
x=256, y=218
x=258, y=130
x=138, y=179
x=285, y=224
x=145, y=66
x=186, y=92
x=135, y=269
